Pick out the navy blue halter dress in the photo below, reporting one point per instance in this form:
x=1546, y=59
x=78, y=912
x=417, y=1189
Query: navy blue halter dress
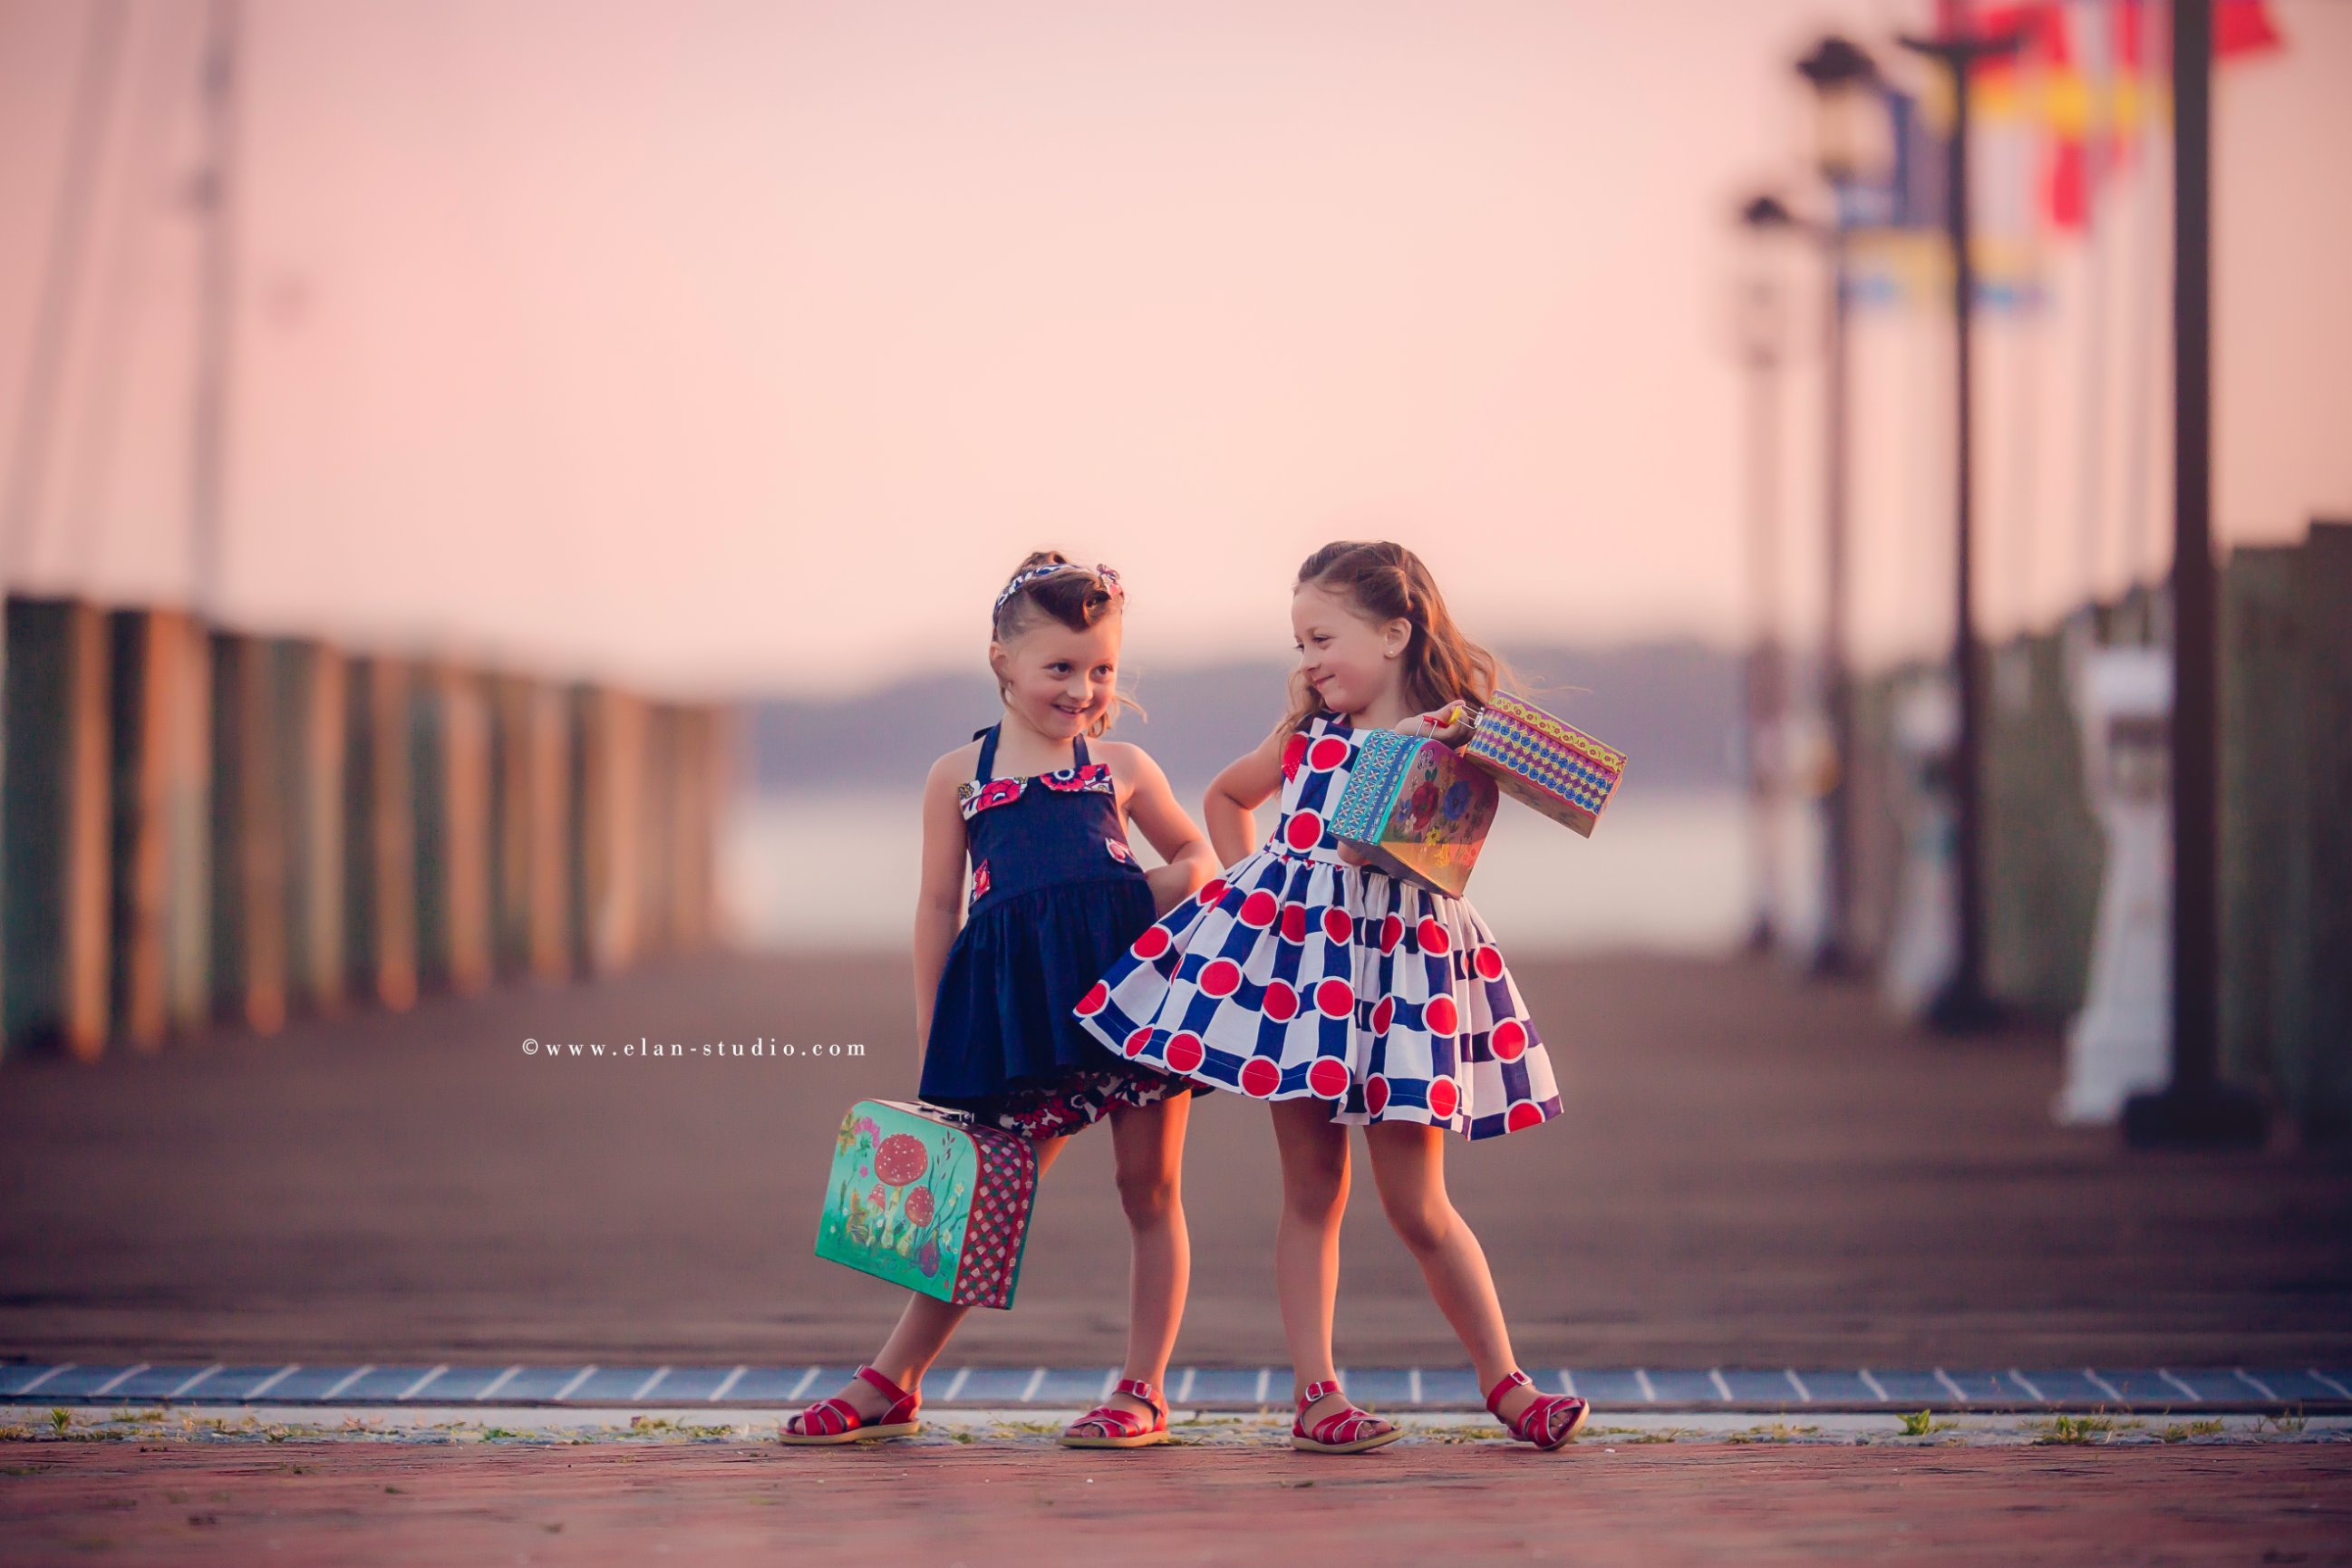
x=1056, y=898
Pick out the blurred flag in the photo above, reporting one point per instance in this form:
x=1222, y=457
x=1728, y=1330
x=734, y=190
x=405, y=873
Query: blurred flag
x=2085, y=72
x=2078, y=75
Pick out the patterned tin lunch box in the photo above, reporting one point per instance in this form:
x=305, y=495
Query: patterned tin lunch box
x=922, y=1197
x=1546, y=762
x=1414, y=810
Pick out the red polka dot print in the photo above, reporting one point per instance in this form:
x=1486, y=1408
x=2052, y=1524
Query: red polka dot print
x=1304, y=831
x=1334, y=998
x=1383, y=1014
x=1211, y=891
x=1432, y=936
x=1488, y=961
x=1096, y=998
x=1524, y=1115
x=1260, y=1076
x=1376, y=1094
x=1137, y=1041
x=1294, y=752
x=1327, y=753
x=1281, y=1003
x=1294, y=923
x=1151, y=944
x=1257, y=910
x=1510, y=1039
x=1327, y=1078
x=1337, y=925
x=1391, y=933
x=1440, y=1016
x=1445, y=1097
x=1185, y=1052
x=1221, y=978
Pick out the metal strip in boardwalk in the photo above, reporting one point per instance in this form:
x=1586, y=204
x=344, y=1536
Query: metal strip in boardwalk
x=33, y=1384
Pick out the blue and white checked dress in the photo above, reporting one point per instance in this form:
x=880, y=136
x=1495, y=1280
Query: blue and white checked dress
x=1296, y=973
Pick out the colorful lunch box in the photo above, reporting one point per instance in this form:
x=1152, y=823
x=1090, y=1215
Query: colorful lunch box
x=923, y=1197
x=1548, y=763
x=1414, y=810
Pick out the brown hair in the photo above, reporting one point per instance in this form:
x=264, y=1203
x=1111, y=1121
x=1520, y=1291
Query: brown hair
x=1387, y=582
x=1078, y=600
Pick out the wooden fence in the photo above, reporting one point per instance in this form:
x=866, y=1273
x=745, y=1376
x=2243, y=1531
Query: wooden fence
x=201, y=827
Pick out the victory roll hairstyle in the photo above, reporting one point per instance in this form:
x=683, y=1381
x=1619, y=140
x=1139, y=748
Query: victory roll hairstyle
x=1049, y=586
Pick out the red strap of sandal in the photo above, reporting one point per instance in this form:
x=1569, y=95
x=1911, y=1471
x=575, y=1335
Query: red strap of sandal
x=831, y=1415
x=892, y=1392
x=1341, y=1426
x=826, y=1418
x=1535, y=1423
x=1494, y=1395
x=1118, y=1422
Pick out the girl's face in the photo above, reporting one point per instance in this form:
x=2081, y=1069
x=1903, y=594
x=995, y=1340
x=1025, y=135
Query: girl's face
x=1058, y=681
x=1351, y=660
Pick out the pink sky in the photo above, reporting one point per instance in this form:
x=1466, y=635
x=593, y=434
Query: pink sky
x=716, y=346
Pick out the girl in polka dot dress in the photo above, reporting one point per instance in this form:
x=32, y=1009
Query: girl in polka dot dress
x=1346, y=997
x=1055, y=895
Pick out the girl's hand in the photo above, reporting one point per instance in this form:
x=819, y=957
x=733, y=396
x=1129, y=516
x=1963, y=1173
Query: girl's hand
x=1452, y=724
x=1178, y=880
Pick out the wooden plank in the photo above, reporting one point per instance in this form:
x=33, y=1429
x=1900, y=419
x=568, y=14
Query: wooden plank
x=57, y=826
x=612, y=819
x=260, y=826
x=509, y=830
x=2265, y=822
x=2324, y=585
x=465, y=819
x=552, y=835
x=324, y=805
x=381, y=836
x=185, y=704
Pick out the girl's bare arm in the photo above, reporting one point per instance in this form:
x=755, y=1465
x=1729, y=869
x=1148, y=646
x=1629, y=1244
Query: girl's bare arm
x=1152, y=806
x=1235, y=794
x=939, y=904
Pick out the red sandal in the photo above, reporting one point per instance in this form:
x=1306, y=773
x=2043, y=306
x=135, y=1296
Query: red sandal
x=1110, y=1426
x=836, y=1420
x=1549, y=1420
x=1348, y=1431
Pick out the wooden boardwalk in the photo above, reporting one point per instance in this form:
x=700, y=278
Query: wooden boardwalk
x=1752, y=1173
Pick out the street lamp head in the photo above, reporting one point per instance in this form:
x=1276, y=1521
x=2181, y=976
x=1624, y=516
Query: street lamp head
x=1850, y=129
x=1837, y=62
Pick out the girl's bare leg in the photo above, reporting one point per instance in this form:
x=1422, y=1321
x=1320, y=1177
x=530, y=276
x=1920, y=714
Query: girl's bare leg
x=922, y=1332
x=1409, y=1169
x=1149, y=1145
x=1314, y=1151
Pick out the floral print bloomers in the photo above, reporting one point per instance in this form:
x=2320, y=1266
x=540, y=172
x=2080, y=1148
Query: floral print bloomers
x=1296, y=973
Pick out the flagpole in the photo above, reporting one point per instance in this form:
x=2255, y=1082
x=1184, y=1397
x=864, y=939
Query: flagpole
x=2091, y=450
x=2197, y=1109
x=1964, y=1006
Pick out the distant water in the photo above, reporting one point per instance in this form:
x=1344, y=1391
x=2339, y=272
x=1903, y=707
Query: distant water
x=1667, y=872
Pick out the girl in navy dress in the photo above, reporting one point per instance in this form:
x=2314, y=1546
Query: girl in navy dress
x=1346, y=997
x=1054, y=896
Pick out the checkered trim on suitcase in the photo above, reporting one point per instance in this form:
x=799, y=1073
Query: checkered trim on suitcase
x=1006, y=1185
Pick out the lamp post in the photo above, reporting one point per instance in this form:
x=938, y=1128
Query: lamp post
x=1760, y=328
x=1849, y=119
x=1963, y=1004
x=2197, y=1109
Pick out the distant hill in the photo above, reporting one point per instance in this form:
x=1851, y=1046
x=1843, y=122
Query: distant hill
x=1673, y=708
